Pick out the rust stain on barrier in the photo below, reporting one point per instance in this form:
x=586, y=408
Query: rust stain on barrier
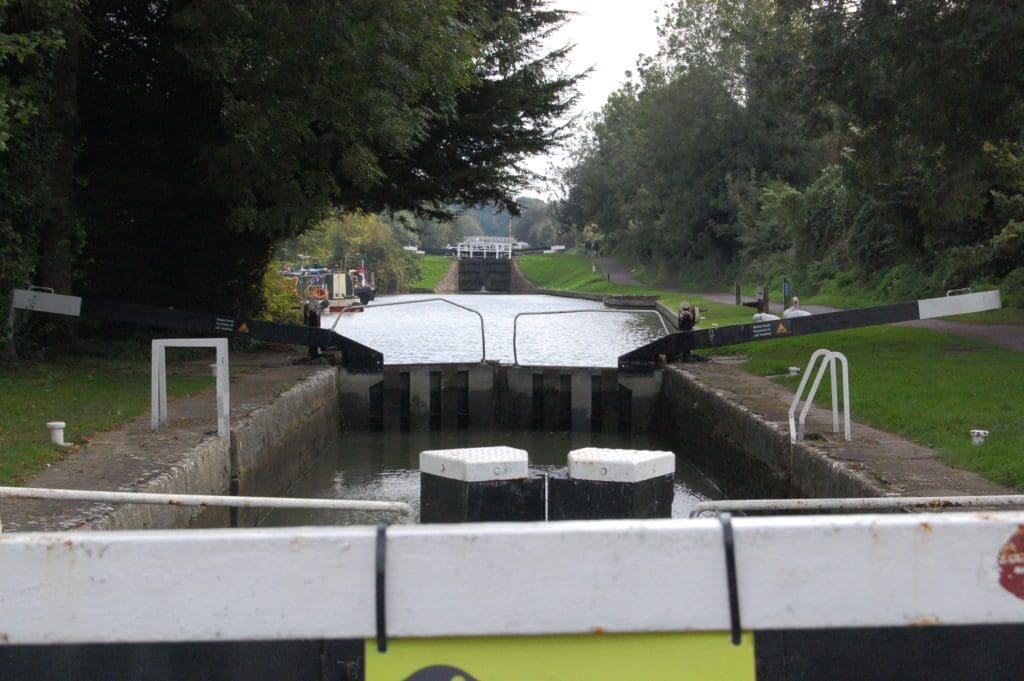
x=942, y=503
x=925, y=621
x=1011, y=563
x=597, y=630
x=926, y=527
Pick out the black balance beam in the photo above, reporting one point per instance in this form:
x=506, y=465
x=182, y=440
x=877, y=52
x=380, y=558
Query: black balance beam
x=677, y=346
x=355, y=357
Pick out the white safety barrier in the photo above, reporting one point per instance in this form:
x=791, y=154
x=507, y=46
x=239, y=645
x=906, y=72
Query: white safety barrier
x=828, y=360
x=849, y=504
x=158, y=382
x=504, y=579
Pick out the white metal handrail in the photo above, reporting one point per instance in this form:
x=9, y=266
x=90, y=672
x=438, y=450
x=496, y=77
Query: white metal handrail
x=828, y=357
x=515, y=322
x=194, y=500
x=854, y=504
x=483, y=340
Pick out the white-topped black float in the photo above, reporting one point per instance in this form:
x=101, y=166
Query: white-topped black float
x=477, y=484
x=613, y=483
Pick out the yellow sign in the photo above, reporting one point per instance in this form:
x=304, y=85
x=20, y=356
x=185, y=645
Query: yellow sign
x=782, y=328
x=697, y=656
x=244, y=328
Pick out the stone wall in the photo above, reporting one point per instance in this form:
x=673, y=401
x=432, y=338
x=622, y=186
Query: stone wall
x=270, y=450
x=747, y=455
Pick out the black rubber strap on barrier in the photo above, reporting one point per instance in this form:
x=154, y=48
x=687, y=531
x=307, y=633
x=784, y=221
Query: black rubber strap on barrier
x=730, y=575
x=382, y=629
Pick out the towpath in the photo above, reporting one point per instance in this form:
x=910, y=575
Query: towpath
x=1009, y=336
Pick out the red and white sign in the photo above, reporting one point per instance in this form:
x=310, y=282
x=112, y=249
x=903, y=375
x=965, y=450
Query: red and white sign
x=1011, y=564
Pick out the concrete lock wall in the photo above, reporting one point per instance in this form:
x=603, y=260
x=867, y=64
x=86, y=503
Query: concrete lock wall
x=270, y=450
x=202, y=470
x=273, y=447
x=489, y=395
x=749, y=456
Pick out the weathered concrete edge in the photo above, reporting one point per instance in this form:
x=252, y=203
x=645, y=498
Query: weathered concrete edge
x=806, y=470
x=266, y=427
x=661, y=308
x=275, y=446
x=206, y=468
x=570, y=294
x=669, y=315
x=203, y=469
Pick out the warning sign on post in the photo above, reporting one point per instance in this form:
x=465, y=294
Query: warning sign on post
x=695, y=656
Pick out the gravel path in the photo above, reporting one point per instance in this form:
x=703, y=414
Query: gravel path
x=1009, y=336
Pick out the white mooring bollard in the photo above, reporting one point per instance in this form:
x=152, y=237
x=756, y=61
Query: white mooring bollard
x=57, y=433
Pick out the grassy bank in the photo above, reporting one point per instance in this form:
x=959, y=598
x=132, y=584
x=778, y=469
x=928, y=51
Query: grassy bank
x=572, y=272
x=90, y=395
x=929, y=387
x=432, y=271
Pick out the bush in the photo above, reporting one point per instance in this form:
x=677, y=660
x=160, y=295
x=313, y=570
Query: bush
x=1012, y=290
x=280, y=299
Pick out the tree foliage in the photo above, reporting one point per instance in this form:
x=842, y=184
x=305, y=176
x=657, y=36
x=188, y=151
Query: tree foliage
x=816, y=139
x=532, y=223
x=157, y=151
x=38, y=232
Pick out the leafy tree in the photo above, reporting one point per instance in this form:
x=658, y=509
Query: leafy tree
x=874, y=140
x=281, y=296
x=38, y=230
x=214, y=130
x=515, y=106
x=363, y=238
x=675, y=161
x=917, y=90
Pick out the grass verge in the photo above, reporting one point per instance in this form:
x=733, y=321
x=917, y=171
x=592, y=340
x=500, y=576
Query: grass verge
x=572, y=272
x=432, y=271
x=90, y=395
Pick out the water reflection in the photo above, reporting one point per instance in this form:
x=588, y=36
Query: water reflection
x=437, y=332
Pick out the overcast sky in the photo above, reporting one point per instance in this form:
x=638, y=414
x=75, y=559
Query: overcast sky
x=609, y=35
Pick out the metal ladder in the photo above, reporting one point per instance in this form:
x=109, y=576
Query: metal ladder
x=828, y=361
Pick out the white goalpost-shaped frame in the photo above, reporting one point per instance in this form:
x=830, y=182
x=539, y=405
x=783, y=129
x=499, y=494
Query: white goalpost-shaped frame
x=158, y=384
